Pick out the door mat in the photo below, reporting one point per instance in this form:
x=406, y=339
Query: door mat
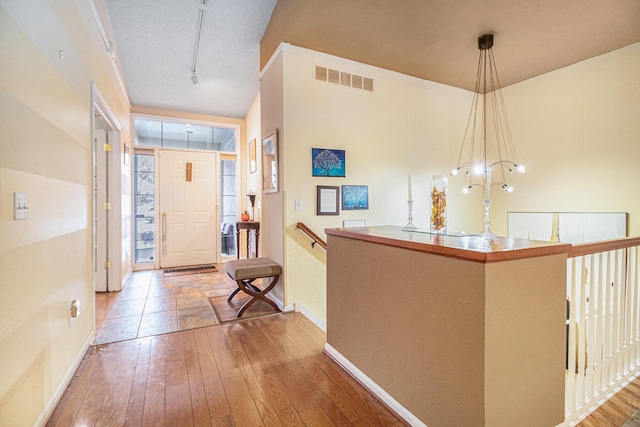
x=190, y=270
x=634, y=421
x=228, y=311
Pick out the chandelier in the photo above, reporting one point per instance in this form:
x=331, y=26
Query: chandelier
x=487, y=118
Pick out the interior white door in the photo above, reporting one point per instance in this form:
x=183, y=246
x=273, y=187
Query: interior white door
x=187, y=208
x=100, y=221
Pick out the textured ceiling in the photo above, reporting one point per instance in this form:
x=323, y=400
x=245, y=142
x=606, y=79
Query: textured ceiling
x=155, y=42
x=430, y=39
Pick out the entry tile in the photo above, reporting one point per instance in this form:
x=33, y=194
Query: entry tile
x=126, y=308
x=161, y=322
x=192, y=299
x=160, y=303
x=195, y=317
x=123, y=328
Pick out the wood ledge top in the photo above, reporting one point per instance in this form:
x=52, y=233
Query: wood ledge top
x=467, y=247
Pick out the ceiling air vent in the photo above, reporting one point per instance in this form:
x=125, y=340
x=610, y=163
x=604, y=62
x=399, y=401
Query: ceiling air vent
x=343, y=78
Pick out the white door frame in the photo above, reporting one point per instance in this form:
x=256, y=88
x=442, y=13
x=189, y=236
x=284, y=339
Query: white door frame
x=113, y=177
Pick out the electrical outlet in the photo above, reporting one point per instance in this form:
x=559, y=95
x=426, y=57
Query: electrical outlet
x=20, y=207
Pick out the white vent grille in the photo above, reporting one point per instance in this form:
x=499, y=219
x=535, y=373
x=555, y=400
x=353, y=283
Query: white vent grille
x=344, y=79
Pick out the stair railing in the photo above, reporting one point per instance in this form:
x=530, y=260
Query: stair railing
x=312, y=236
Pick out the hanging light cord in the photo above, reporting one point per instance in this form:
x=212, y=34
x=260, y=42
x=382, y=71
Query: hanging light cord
x=203, y=10
x=488, y=85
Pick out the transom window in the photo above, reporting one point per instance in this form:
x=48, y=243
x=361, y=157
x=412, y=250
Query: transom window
x=185, y=136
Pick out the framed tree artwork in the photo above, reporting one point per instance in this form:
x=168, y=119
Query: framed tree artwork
x=270, y=163
x=355, y=197
x=328, y=162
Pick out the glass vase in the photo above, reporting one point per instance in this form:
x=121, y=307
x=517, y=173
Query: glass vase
x=438, y=220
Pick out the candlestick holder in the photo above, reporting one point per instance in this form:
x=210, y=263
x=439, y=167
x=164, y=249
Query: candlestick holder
x=252, y=200
x=410, y=225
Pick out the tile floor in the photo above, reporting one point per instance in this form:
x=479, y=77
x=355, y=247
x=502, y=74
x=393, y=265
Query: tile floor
x=150, y=304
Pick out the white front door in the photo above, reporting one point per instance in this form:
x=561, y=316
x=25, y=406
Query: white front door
x=188, y=230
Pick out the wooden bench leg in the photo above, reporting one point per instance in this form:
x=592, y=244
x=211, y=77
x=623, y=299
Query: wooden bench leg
x=256, y=293
x=248, y=283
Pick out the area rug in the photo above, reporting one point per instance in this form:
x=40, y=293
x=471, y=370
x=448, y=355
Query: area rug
x=634, y=421
x=228, y=311
x=189, y=270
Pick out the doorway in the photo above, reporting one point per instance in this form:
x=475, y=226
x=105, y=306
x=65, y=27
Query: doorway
x=187, y=197
x=107, y=221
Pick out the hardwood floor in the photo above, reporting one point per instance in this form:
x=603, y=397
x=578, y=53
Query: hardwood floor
x=617, y=410
x=262, y=372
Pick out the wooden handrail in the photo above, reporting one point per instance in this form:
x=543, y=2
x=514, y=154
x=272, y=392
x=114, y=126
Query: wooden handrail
x=313, y=236
x=582, y=249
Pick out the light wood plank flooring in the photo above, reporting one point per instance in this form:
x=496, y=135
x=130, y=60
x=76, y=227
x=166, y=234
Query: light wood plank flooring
x=617, y=410
x=262, y=372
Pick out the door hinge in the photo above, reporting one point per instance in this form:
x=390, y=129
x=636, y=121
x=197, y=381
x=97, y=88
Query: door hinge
x=108, y=147
x=107, y=206
x=107, y=264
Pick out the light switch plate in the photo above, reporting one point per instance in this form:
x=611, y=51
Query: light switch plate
x=20, y=207
x=298, y=205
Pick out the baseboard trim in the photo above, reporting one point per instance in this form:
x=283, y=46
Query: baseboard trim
x=374, y=388
x=317, y=320
x=62, y=387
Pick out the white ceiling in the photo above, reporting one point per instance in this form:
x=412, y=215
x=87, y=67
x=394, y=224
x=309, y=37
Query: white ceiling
x=155, y=43
x=430, y=39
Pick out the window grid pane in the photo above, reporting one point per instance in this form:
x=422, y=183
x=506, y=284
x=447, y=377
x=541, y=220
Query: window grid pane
x=156, y=133
x=144, y=212
x=229, y=207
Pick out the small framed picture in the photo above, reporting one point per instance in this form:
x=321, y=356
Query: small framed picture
x=253, y=163
x=355, y=197
x=327, y=200
x=270, y=163
x=328, y=162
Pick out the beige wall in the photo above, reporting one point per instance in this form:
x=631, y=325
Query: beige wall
x=436, y=332
x=406, y=126
x=252, y=181
x=575, y=129
x=272, y=215
x=45, y=151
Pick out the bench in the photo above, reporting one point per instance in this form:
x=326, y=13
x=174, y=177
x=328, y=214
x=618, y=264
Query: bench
x=246, y=271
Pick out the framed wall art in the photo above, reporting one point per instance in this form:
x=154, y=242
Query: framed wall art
x=327, y=200
x=328, y=162
x=355, y=197
x=253, y=163
x=270, y=163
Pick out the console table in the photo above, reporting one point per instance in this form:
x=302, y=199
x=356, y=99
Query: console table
x=247, y=225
